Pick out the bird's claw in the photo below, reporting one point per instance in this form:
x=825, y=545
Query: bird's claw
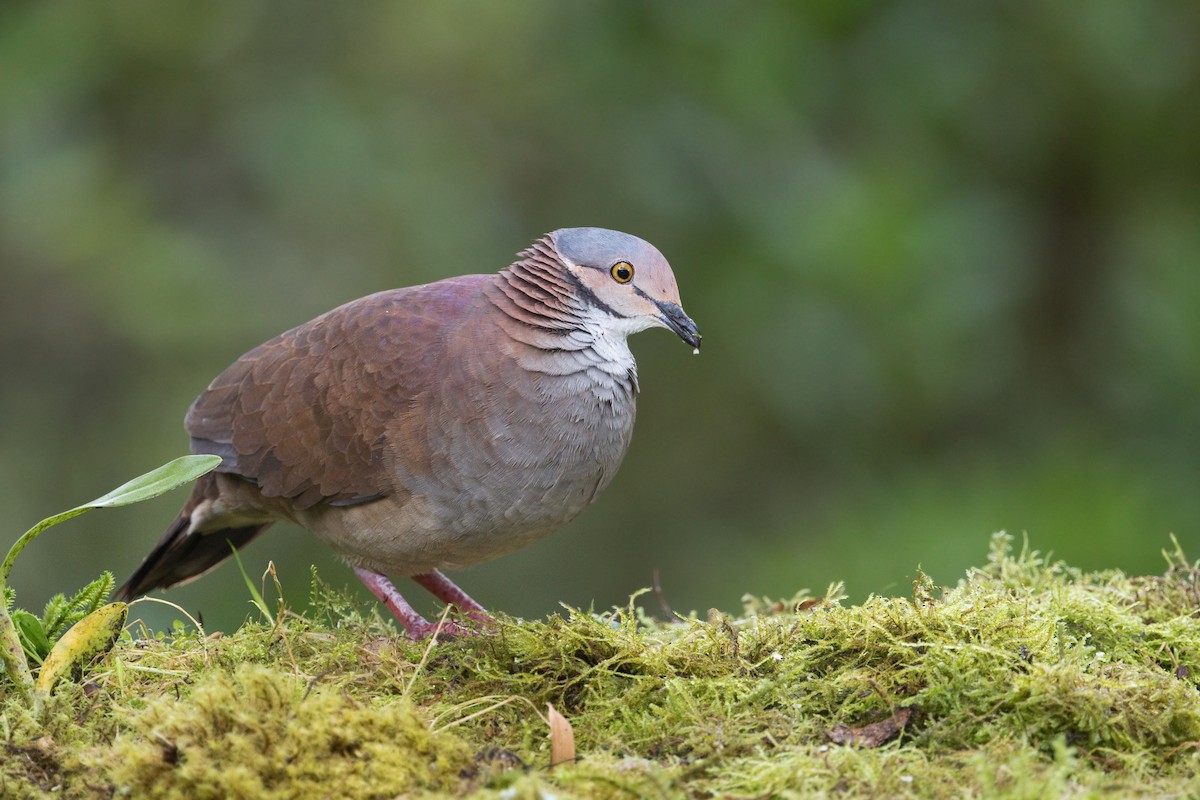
x=446, y=630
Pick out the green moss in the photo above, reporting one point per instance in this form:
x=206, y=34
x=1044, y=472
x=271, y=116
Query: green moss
x=260, y=733
x=1026, y=679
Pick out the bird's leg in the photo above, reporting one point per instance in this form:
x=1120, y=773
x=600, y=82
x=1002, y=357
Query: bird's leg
x=444, y=589
x=417, y=626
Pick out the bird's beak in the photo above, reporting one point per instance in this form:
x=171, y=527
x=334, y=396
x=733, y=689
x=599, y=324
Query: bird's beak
x=680, y=322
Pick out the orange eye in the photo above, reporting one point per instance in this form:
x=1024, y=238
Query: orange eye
x=622, y=272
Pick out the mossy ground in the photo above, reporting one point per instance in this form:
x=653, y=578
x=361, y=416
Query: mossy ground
x=1026, y=679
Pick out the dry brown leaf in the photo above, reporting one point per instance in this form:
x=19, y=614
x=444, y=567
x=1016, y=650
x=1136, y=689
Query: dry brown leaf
x=562, y=738
x=872, y=735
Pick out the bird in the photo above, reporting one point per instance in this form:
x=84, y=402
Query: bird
x=428, y=428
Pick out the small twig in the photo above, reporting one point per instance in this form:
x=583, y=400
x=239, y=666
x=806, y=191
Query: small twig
x=1186, y=745
x=476, y=701
x=481, y=712
x=181, y=610
x=174, y=673
x=668, y=613
x=312, y=684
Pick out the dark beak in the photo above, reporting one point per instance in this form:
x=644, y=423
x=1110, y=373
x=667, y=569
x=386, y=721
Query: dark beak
x=680, y=322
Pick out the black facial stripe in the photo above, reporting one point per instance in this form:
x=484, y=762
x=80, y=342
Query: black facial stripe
x=588, y=295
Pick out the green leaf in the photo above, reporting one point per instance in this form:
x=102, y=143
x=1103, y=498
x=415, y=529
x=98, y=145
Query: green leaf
x=33, y=637
x=157, y=481
x=152, y=484
x=256, y=595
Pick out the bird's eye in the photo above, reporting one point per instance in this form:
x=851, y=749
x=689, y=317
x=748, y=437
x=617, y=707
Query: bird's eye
x=622, y=272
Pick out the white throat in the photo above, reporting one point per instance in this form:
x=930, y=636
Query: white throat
x=609, y=339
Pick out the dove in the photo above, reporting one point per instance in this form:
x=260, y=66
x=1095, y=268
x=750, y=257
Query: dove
x=433, y=427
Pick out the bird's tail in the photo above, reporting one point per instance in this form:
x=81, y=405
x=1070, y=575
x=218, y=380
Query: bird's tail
x=185, y=553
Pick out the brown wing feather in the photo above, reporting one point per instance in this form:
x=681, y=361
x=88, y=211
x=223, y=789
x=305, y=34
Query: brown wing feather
x=306, y=416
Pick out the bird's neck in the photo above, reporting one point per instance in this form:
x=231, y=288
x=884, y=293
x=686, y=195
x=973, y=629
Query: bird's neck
x=538, y=292
x=546, y=316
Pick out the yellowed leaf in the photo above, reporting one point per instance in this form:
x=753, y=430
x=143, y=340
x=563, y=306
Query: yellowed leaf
x=90, y=637
x=562, y=738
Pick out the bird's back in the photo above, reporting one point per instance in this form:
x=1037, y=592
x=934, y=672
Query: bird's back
x=306, y=416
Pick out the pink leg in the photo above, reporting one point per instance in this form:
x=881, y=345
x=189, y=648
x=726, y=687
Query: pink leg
x=417, y=626
x=444, y=589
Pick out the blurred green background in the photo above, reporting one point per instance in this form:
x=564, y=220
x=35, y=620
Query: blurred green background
x=945, y=257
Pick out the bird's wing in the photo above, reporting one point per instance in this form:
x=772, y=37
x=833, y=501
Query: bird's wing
x=306, y=415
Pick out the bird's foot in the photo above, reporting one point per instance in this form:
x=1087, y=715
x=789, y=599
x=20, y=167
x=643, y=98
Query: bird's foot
x=443, y=630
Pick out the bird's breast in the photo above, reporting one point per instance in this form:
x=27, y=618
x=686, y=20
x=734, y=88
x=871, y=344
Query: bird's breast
x=506, y=459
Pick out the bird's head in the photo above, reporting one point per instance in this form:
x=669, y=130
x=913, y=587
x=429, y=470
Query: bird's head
x=625, y=278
